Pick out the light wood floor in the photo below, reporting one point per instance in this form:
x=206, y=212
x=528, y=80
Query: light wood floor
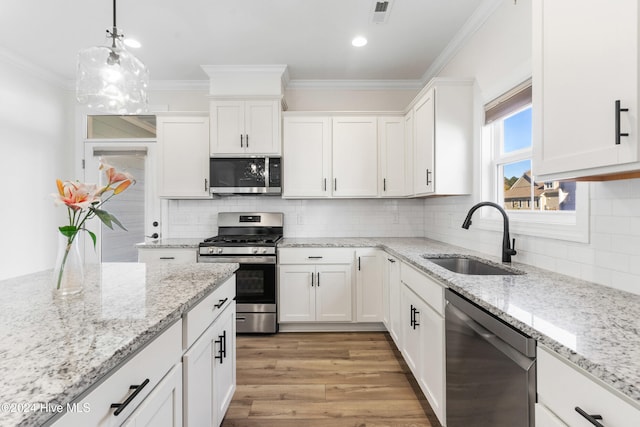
x=324, y=380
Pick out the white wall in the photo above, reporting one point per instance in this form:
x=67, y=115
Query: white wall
x=333, y=99
x=36, y=147
x=499, y=56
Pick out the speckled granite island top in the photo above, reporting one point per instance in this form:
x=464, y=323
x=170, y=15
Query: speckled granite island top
x=53, y=350
x=596, y=327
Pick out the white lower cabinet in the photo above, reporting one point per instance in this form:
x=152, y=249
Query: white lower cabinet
x=315, y=285
x=137, y=385
x=209, y=367
x=422, y=334
x=392, y=298
x=167, y=255
x=369, y=282
x=564, y=387
x=163, y=407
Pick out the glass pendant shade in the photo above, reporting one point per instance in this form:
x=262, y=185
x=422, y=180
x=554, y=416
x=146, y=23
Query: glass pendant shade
x=112, y=80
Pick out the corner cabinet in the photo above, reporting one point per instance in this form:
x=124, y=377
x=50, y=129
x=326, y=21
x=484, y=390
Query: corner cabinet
x=369, y=286
x=245, y=127
x=585, y=88
x=183, y=142
x=442, y=138
x=393, y=152
x=315, y=285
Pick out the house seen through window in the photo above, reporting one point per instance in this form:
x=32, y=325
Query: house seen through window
x=516, y=185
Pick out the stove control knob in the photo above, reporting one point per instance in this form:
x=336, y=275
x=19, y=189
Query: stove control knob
x=263, y=250
x=210, y=250
x=220, y=250
x=254, y=250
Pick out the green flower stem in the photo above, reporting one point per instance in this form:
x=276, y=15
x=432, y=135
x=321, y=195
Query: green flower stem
x=64, y=259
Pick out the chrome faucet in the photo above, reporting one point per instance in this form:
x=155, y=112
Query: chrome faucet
x=507, y=249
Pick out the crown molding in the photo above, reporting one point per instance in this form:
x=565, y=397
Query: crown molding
x=11, y=58
x=473, y=24
x=356, y=84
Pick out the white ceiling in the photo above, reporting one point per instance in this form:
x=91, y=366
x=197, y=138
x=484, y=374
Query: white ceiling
x=312, y=37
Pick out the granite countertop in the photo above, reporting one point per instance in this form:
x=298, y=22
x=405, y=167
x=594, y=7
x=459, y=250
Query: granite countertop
x=52, y=350
x=186, y=243
x=594, y=326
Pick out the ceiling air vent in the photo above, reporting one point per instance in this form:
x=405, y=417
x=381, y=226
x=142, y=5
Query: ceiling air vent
x=381, y=10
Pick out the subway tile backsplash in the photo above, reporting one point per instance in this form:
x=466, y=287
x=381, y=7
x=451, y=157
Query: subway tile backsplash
x=304, y=218
x=611, y=258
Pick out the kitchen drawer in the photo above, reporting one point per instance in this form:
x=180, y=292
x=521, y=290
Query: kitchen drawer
x=426, y=288
x=167, y=255
x=196, y=320
x=151, y=363
x=563, y=386
x=316, y=255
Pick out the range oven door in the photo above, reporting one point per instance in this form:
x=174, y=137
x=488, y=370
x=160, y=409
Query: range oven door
x=256, y=298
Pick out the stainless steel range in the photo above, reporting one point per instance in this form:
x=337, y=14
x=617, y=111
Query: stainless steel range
x=250, y=239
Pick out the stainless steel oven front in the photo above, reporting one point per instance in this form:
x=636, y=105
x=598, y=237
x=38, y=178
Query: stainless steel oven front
x=256, y=307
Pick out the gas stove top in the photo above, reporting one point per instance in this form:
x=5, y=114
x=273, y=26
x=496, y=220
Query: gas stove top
x=242, y=234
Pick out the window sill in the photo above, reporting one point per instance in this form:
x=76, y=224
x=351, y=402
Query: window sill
x=570, y=226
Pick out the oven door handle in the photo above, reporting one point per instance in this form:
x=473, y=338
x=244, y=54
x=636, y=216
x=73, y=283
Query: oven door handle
x=238, y=259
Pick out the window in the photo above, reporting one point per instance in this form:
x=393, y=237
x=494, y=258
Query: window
x=535, y=207
x=121, y=127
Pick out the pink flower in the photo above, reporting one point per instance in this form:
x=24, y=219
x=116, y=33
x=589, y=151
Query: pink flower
x=123, y=179
x=75, y=195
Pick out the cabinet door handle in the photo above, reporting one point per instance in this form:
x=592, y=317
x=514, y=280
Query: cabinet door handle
x=121, y=406
x=246, y=140
x=618, y=111
x=220, y=303
x=384, y=184
x=241, y=146
x=325, y=184
x=222, y=349
x=591, y=418
x=318, y=281
x=206, y=184
x=359, y=264
x=313, y=280
x=335, y=184
x=428, y=180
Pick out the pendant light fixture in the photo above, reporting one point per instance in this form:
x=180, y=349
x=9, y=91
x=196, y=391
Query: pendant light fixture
x=110, y=79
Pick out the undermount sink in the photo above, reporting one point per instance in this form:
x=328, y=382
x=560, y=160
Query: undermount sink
x=470, y=266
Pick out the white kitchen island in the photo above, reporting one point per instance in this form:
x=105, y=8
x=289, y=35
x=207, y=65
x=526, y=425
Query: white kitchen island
x=53, y=351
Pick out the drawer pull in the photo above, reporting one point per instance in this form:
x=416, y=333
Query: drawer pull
x=314, y=257
x=392, y=261
x=591, y=418
x=167, y=257
x=220, y=303
x=121, y=406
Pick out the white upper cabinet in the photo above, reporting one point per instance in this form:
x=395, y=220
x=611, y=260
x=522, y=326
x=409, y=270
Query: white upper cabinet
x=355, y=157
x=391, y=143
x=442, y=139
x=183, y=142
x=307, y=165
x=585, y=60
x=245, y=127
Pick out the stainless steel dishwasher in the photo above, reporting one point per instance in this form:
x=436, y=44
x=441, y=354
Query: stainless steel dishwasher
x=491, y=368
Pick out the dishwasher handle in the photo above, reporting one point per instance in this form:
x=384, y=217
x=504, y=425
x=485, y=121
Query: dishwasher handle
x=524, y=362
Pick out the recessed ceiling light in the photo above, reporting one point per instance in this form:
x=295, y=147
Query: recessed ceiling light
x=359, y=41
x=132, y=43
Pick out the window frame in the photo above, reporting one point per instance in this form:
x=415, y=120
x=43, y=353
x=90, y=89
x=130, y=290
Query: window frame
x=561, y=225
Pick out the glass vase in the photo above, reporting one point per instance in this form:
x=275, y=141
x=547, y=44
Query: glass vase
x=68, y=273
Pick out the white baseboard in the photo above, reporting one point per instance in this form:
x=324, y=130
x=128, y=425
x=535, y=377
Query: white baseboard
x=332, y=327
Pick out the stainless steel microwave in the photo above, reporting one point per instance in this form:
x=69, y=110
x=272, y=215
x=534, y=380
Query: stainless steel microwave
x=245, y=175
